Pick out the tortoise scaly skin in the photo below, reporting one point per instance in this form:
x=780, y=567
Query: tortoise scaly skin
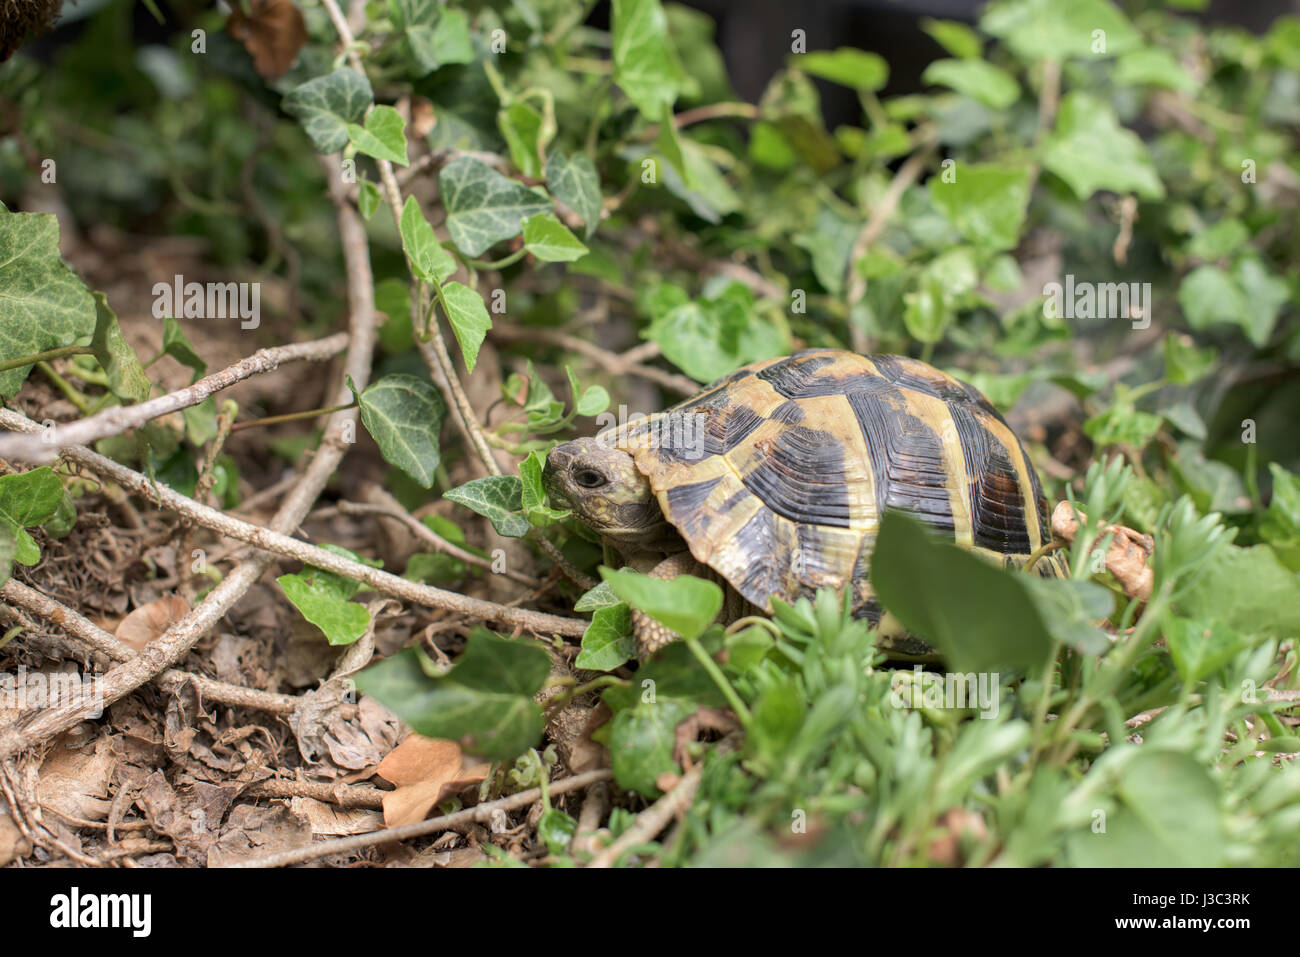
x=774, y=478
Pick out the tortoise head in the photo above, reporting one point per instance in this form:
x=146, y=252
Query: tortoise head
x=601, y=483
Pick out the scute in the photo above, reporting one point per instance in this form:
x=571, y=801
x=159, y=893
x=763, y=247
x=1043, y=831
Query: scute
x=780, y=484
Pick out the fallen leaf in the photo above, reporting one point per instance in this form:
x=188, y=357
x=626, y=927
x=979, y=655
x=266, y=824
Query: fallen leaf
x=150, y=621
x=1127, y=558
x=75, y=781
x=272, y=31
x=331, y=820
x=426, y=771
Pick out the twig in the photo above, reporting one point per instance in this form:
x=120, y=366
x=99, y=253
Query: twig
x=653, y=819
x=342, y=795
x=427, y=535
x=479, y=814
x=269, y=540
x=594, y=809
x=101, y=641
x=45, y=446
x=176, y=642
x=611, y=361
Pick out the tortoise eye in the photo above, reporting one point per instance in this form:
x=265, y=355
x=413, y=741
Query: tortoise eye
x=589, y=478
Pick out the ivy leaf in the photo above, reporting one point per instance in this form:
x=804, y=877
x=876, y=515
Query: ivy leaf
x=550, y=240
x=404, y=416
x=126, y=378
x=954, y=36
x=485, y=701
x=367, y=198
x=383, y=136
x=710, y=337
x=980, y=80
x=685, y=604
x=46, y=305
x=533, y=492
x=1152, y=66
x=641, y=743
x=176, y=345
x=645, y=64
x=499, y=499
x=522, y=127
x=469, y=319
x=986, y=619
x=986, y=202
x=429, y=261
x=432, y=35
x=1090, y=150
x=326, y=105
x=27, y=499
x=1045, y=29
x=846, y=66
x=323, y=598
x=602, y=596
x=607, y=643
x=1250, y=297
x=575, y=182
x=830, y=243
x=484, y=207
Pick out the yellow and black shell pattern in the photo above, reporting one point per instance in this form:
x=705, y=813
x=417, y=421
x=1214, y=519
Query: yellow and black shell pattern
x=777, y=475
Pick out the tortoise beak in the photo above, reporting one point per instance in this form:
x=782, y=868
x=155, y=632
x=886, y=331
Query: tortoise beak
x=557, y=462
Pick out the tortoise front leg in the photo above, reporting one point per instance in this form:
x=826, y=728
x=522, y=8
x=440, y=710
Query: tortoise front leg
x=651, y=635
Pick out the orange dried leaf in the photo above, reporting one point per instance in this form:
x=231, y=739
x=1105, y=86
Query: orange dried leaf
x=149, y=621
x=273, y=31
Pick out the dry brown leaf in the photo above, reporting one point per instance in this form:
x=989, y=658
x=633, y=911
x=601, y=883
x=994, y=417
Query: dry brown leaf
x=426, y=771
x=335, y=821
x=148, y=622
x=75, y=781
x=273, y=31
x=12, y=843
x=1127, y=558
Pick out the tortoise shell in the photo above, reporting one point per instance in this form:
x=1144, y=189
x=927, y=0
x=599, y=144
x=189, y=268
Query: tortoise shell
x=777, y=475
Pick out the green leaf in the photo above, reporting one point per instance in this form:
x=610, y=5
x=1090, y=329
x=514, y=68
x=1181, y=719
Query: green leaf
x=980, y=617
x=1280, y=526
x=469, y=319
x=367, y=198
x=1168, y=817
x=1200, y=648
x=1265, y=294
x=499, y=499
x=645, y=63
x=1184, y=362
x=608, y=642
x=484, y=207
x=433, y=35
x=641, y=743
x=995, y=88
x=1153, y=66
x=521, y=125
x=126, y=378
x=846, y=66
x=479, y=702
x=575, y=182
x=710, y=337
x=602, y=596
x=556, y=830
x=176, y=345
x=955, y=37
x=27, y=499
x=533, y=492
x=1250, y=297
x=323, y=599
x=383, y=136
x=326, y=105
x=1218, y=241
x=1247, y=590
x=1089, y=150
x=1208, y=295
x=429, y=261
x=550, y=240
x=1046, y=29
x=685, y=604
x=1069, y=607
x=830, y=243
x=404, y=416
x=45, y=304
x=986, y=203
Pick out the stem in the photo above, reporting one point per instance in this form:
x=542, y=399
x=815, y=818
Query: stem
x=73, y=394
x=720, y=680
x=48, y=354
x=290, y=417
x=501, y=263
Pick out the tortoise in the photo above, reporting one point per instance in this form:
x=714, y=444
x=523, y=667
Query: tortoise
x=773, y=479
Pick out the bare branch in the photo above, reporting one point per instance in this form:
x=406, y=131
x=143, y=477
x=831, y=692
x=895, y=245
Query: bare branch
x=45, y=446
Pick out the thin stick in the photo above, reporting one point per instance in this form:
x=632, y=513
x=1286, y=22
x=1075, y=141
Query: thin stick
x=342, y=795
x=99, y=640
x=177, y=641
x=611, y=361
x=279, y=543
x=653, y=819
x=479, y=814
x=45, y=446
